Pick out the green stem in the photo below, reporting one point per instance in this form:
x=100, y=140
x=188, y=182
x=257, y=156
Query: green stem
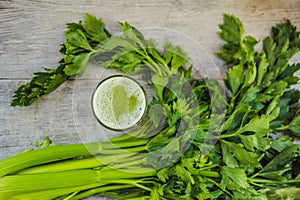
x=207, y=173
x=49, y=154
x=282, y=128
x=222, y=136
x=98, y=190
x=134, y=161
x=110, y=175
x=130, y=182
x=120, y=138
x=123, y=151
x=45, y=155
x=70, y=196
x=224, y=190
x=53, y=194
x=19, y=184
x=166, y=67
x=29, y=183
x=258, y=185
x=132, y=142
x=84, y=163
x=259, y=180
x=153, y=68
x=209, y=167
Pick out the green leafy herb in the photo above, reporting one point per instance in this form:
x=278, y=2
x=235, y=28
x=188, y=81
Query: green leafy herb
x=77, y=49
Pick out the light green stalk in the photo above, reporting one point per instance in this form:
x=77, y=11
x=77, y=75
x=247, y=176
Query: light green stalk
x=45, y=155
x=21, y=184
x=50, y=154
x=84, y=163
x=52, y=194
x=99, y=190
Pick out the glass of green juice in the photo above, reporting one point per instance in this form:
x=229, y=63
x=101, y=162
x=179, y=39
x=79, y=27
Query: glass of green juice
x=119, y=102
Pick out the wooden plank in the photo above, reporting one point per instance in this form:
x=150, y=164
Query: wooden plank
x=20, y=128
x=31, y=31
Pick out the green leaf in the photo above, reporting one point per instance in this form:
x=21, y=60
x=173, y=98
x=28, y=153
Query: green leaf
x=235, y=78
x=288, y=74
x=159, y=83
x=294, y=125
x=75, y=26
x=268, y=79
x=132, y=34
x=276, y=174
x=156, y=192
x=227, y=53
x=205, y=192
x=41, y=84
x=54, y=81
x=47, y=142
x=233, y=178
x=228, y=156
x=232, y=30
x=291, y=193
x=78, y=39
x=272, y=105
x=71, y=50
x=277, y=88
x=78, y=64
x=95, y=28
x=282, y=143
x=280, y=47
x=233, y=152
x=235, y=119
x=151, y=48
x=168, y=52
x=163, y=174
x=246, y=52
x=184, y=174
x=250, y=96
x=174, y=56
x=262, y=68
x=250, y=75
x=178, y=59
x=257, y=124
x=157, y=114
x=283, y=158
x=127, y=62
x=78, y=43
x=115, y=42
x=256, y=141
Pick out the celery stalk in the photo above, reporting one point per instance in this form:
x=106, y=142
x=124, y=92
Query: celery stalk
x=51, y=194
x=49, y=154
x=98, y=190
x=73, y=164
x=19, y=184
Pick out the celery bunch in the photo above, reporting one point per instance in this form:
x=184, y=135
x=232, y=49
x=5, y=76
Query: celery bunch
x=178, y=153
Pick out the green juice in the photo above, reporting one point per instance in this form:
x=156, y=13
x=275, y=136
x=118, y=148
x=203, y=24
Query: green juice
x=119, y=102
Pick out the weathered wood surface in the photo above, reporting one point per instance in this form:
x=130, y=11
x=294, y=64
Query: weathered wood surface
x=31, y=31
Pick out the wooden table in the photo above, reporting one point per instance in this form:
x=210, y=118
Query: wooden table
x=31, y=31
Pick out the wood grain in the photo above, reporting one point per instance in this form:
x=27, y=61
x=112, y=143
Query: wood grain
x=32, y=30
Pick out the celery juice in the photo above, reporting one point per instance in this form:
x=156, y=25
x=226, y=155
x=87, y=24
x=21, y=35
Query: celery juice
x=119, y=102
